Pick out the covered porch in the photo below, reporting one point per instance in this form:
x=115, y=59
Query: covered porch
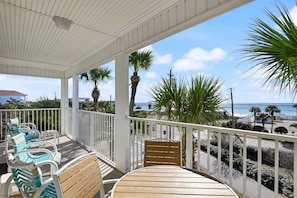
x=93, y=33
x=103, y=31
x=242, y=159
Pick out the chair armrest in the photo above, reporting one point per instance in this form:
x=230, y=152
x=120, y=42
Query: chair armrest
x=5, y=186
x=43, y=143
x=29, y=124
x=73, y=162
x=109, y=181
x=36, y=150
x=27, y=129
x=46, y=162
x=53, y=167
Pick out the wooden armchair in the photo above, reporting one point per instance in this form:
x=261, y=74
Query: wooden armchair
x=162, y=152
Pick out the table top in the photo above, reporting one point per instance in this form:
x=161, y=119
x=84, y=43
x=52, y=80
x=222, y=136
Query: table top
x=168, y=181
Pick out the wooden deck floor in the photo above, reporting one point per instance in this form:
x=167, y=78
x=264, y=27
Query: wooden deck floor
x=71, y=149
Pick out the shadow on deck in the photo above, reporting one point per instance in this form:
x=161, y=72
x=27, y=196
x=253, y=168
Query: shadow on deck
x=71, y=149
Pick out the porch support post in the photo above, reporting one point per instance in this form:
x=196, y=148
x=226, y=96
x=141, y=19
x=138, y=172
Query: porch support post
x=75, y=122
x=64, y=106
x=122, y=143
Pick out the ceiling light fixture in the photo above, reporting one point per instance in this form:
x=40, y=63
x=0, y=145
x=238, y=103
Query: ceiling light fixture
x=62, y=22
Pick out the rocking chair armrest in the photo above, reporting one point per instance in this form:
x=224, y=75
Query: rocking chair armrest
x=55, y=149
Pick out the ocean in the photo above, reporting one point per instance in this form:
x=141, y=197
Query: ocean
x=242, y=109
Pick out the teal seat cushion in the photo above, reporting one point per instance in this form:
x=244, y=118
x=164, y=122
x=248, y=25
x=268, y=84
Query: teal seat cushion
x=31, y=137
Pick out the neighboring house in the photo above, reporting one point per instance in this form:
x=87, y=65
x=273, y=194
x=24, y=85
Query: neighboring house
x=8, y=94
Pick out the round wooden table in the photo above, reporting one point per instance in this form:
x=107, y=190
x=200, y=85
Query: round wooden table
x=168, y=181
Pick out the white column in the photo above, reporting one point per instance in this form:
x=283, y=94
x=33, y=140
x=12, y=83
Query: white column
x=64, y=106
x=75, y=107
x=122, y=148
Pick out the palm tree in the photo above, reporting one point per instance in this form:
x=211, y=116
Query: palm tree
x=255, y=110
x=273, y=48
x=204, y=100
x=271, y=109
x=194, y=102
x=138, y=61
x=96, y=76
x=169, y=96
x=263, y=117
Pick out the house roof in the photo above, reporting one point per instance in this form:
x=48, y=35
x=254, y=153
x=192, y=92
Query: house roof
x=31, y=44
x=11, y=93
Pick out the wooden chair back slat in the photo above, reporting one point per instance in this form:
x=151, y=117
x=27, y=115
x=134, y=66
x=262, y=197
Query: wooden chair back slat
x=83, y=179
x=162, y=153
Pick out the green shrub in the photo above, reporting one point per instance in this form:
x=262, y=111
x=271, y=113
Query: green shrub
x=267, y=177
x=281, y=130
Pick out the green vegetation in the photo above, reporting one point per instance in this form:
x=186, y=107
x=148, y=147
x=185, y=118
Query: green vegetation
x=196, y=102
x=267, y=177
x=273, y=49
x=13, y=104
x=44, y=102
x=281, y=130
x=103, y=106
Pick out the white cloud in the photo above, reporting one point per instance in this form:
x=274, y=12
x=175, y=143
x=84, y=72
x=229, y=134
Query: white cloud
x=58, y=82
x=158, y=59
x=149, y=47
x=165, y=59
x=150, y=75
x=257, y=72
x=187, y=64
x=293, y=13
x=3, y=77
x=197, y=58
x=144, y=91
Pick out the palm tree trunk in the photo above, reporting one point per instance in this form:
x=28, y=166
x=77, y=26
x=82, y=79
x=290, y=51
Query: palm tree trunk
x=254, y=119
x=135, y=80
x=95, y=96
x=272, y=116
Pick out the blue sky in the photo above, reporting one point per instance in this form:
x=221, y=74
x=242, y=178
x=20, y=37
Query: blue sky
x=208, y=48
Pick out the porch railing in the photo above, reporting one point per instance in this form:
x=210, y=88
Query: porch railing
x=44, y=119
x=253, y=163
x=95, y=132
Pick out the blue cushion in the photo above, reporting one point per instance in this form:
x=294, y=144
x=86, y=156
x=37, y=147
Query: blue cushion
x=30, y=137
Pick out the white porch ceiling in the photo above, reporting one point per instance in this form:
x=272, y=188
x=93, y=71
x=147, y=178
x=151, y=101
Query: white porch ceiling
x=30, y=43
